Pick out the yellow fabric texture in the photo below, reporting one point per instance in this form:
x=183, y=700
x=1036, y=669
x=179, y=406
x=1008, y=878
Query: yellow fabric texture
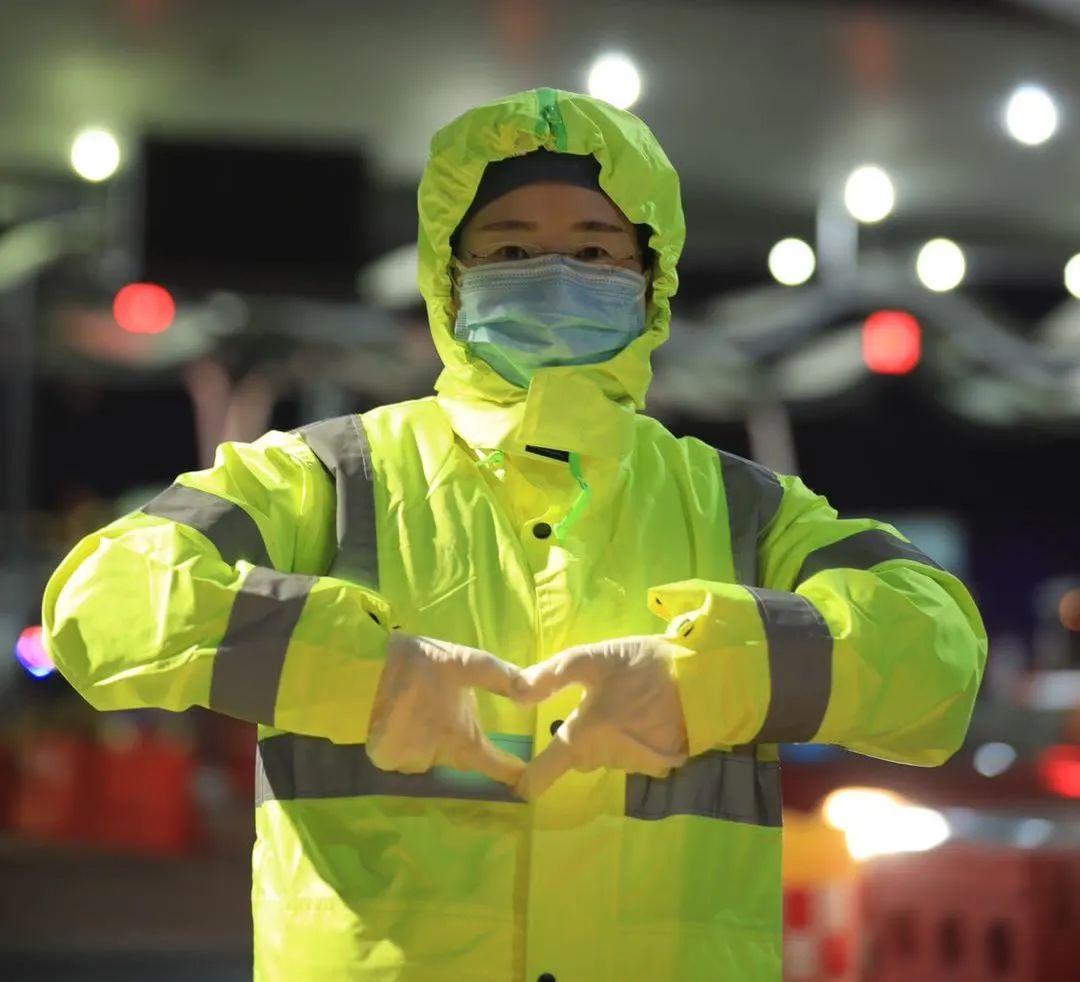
x=419, y=889
x=909, y=646
x=134, y=614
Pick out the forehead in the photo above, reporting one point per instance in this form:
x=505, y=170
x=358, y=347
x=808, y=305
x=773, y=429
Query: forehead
x=547, y=205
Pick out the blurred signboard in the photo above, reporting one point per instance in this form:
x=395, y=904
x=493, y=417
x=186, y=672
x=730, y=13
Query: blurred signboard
x=256, y=216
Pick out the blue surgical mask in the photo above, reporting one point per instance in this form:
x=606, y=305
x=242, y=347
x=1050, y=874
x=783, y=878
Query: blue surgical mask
x=521, y=316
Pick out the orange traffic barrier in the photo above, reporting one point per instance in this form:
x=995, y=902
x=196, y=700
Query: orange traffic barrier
x=971, y=913
x=821, y=925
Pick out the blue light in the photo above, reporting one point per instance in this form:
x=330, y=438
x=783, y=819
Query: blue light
x=809, y=753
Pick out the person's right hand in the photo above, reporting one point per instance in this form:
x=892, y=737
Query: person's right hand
x=425, y=709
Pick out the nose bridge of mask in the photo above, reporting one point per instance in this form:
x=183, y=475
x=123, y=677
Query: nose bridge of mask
x=552, y=268
x=553, y=293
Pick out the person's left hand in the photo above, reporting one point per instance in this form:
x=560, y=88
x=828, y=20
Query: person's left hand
x=630, y=716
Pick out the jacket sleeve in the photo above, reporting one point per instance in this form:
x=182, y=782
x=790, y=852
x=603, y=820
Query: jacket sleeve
x=852, y=637
x=214, y=594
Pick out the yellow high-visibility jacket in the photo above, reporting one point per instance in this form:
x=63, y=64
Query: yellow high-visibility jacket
x=265, y=588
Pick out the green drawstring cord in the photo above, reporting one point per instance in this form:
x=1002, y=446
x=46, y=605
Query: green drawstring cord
x=579, y=505
x=496, y=457
x=493, y=459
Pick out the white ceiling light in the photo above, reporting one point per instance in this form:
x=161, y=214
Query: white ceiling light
x=941, y=265
x=1072, y=276
x=869, y=194
x=791, y=262
x=1031, y=116
x=615, y=79
x=994, y=759
x=95, y=155
x=390, y=281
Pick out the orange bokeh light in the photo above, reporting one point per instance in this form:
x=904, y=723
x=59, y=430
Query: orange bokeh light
x=144, y=308
x=891, y=342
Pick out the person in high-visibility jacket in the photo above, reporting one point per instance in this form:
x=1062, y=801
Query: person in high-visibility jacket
x=521, y=658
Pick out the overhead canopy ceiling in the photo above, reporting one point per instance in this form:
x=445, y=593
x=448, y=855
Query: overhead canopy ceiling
x=761, y=104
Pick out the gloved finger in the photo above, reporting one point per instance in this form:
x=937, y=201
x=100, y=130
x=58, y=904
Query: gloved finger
x=491, y=761
x=484, y=670
x=631, y=755
x=549, y=765
x=402, y=760
x=544, y=770
x=574, y=665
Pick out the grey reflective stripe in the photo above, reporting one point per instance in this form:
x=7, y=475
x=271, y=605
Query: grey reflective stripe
x=733, y=786
x=800, y=666
x=289, y=767
x=232, y=530
x=247, y=667
x=342, y=446
x=753, y=496
x=863, y=550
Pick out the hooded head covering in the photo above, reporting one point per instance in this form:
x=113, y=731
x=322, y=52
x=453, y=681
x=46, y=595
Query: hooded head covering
x=584, y=408
x=503, y=176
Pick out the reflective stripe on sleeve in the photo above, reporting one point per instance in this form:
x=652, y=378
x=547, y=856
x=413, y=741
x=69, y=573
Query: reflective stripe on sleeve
x=342, y=446
x=753, y=494
x=734, y=786
x=231, y=529
x=249, y=660
x=800, y=666
x=289, y=767
x=863, y=550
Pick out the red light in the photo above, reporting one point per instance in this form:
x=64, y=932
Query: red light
x=144, y=308
x=891, y=342
x=1059, y=768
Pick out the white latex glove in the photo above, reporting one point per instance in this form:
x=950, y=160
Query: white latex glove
x=630, y=716
x=424, y=712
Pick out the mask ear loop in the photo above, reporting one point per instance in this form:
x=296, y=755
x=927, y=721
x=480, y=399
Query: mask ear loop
x=580, y=504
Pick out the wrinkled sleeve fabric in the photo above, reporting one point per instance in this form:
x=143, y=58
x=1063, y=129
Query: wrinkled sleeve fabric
x=215, y=594
x=848, y=635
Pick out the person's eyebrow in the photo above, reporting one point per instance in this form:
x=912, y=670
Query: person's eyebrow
x=509, y=225
x=519, y=225
x=595, y=226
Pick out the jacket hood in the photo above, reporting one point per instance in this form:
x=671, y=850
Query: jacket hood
x=634, y=172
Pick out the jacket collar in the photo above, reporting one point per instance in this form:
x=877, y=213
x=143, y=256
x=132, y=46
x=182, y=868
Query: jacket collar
x=564, y=409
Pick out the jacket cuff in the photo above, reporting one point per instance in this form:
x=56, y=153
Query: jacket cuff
x=722, y=667
x=757, y=666
x=334, y=663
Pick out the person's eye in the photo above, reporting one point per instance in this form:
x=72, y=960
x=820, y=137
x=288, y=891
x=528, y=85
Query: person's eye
x=592, y=254
x=509, y=253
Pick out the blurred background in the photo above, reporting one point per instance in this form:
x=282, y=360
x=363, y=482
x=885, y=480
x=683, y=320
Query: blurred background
x=207, y=229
